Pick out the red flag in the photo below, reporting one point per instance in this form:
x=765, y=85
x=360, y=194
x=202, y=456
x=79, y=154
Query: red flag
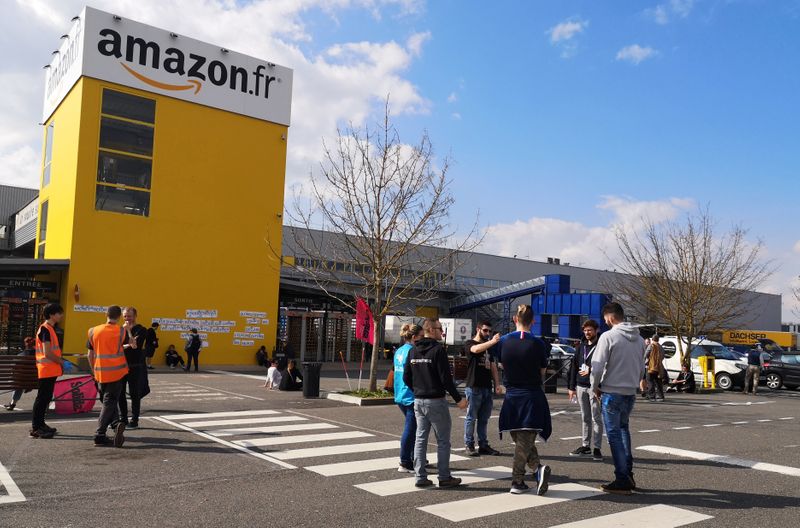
x=365, y=328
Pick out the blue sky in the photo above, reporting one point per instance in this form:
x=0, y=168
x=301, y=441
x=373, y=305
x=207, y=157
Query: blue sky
x=564, y=118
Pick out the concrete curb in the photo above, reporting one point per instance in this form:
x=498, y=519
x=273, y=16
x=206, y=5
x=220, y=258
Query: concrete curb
x=355, y=400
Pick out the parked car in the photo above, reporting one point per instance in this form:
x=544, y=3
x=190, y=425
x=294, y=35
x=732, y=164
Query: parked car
x=729, y=368
x=782, y=369
x=560, y=356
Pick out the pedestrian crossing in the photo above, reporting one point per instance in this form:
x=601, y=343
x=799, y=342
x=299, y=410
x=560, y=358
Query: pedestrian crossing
x=177, y=390
x=370, y=458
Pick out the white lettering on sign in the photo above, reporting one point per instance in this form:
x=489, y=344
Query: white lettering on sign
x=133, y=54
x=27, y=215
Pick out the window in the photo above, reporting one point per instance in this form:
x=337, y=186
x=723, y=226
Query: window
x=42, y=229
x=3, y=232
x=125, y=159
x=48, y=153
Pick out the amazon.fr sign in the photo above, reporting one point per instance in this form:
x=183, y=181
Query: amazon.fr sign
x=110, y=48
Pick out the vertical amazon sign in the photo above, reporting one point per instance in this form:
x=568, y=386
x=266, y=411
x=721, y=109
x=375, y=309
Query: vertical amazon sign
x=111, y=48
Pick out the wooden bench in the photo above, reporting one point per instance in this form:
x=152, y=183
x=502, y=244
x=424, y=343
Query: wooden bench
x=18, y=372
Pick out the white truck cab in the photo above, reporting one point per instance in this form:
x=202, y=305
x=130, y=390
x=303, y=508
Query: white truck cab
x=729, y=367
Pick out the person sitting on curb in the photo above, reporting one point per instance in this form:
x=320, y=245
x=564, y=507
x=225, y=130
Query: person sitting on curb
x=684, y=382
x=291, y=380
x=273, y=381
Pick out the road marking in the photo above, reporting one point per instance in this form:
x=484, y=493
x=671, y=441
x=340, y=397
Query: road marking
x=491, y=417
x=228, y=444
x=238, y=375
x=572, y=438
x=245, y=421
x=272, y=429
x=406, y=485
x=650, y=431
x=723, y=459
x=309, y=452
x=712, y=425
x=218, y=398
x=749, y=403
x=218, y=414
x=681, y=428
x=739, y=423
x=373, y=464
x=14, y=493
x=787, y=418
x=229, y=392
x=496, y=503
x=301, y=439
x=656, y=516
x=182, y=391
x=766, y=420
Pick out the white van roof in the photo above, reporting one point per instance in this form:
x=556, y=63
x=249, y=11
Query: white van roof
x=694, y=341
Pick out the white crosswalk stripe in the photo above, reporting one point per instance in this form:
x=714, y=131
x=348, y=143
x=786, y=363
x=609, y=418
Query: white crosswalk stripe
x=271, y=429
x=386, y=488
x=228, y=414
x=302, y=439
x=344, y=449
x=245, y=421
x=496, y=503
x=364, y=466
x=656, y=516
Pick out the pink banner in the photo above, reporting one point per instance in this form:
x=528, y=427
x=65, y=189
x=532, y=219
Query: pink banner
x=365, y=329
x=75, y=395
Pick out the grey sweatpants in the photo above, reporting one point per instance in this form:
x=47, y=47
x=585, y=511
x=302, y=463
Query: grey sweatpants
x=591, y=416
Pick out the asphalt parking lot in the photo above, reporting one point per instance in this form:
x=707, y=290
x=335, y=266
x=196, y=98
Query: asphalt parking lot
x=216, y=449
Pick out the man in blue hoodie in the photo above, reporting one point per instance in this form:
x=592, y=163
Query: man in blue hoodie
x=617, y=371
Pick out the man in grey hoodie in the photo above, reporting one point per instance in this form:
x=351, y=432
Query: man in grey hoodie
x=617, y=371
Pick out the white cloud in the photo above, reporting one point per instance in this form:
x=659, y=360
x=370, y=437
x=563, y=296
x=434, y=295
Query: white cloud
x=797, y=247
x=346, y=82
x=574, y=242
x=567, y=30
x=663, y=13
x=635, y=54
x=456, y=116
x=452, y=98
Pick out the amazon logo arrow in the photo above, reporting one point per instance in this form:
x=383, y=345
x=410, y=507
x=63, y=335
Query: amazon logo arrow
x=196, y=85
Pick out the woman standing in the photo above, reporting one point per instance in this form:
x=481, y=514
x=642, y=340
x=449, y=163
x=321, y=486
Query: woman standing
x=525, y=411
x=404, y=397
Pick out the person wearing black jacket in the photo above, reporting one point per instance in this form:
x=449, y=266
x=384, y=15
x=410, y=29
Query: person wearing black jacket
x=136, y=379
x=427, y=374
x=192, y=349
x=579, y=386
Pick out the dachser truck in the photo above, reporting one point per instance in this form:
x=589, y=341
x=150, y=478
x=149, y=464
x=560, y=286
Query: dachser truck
x=741, y=339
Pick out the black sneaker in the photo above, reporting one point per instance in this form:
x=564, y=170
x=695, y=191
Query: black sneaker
x=488, y=450
x=542, y=479
x=518, y=488
x=597, y=455
x=618, y=487
x=405, y=467
x=471, y=451
x=41, y=432
x=450, y=482
x=119, y=435
x=582, y=451
x=10, y=406
x=423, y=483
x=103, y=441
x=134, y=424
x=633, y=482
x=51, y=429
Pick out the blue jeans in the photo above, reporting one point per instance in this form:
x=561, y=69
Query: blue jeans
x=409, y=434
x=432, y=414
x=479, y=409
x=616, y=414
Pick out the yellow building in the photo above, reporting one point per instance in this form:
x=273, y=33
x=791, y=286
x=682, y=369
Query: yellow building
x=162, y=179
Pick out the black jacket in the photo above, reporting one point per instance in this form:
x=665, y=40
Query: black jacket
x=575, y=380
x=427, y=371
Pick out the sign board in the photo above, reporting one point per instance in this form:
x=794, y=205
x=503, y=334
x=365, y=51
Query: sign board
x=10, y=283
x=749, y=337
x=26, y=215
x=112, y=48
x=456, y=331
x=393, y=325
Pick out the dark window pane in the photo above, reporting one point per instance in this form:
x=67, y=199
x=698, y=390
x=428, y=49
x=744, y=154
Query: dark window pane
x=125, y=201
x=115, y=168
x=40, y=254
x=127, y=137
x=129, y=106
x=43, y=222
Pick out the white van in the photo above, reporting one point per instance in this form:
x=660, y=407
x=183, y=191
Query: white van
x=728, y=366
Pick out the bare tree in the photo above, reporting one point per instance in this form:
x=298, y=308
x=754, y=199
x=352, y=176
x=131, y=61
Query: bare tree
x=796, y=294
x=384, y=208
x=688, y=275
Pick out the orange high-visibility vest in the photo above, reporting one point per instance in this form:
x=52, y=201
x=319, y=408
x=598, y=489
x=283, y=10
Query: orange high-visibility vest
x=109, y=359
x=47, y=368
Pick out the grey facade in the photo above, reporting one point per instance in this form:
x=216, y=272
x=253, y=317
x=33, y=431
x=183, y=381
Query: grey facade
x=12, y=199
x=479, y=272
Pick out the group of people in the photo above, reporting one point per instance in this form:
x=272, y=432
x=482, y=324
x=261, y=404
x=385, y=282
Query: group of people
x=289, y=380
x=119, y=358
x=605, y=375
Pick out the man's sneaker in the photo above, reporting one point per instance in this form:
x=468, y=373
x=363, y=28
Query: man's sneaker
x=633, y=482
x=471, y=451
x=405, y=467
x=660, y=399
x=488, y=450
x=518, y=488
x=597, y=455
x=134, y=424
x=542, y=479
x=423, y=483
x=618, y=487
x=103, y=441
x=450, y=482
x=41, y=432
x=10, y=406
x=51, y=429
x=119, y=435
x=582, y=451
